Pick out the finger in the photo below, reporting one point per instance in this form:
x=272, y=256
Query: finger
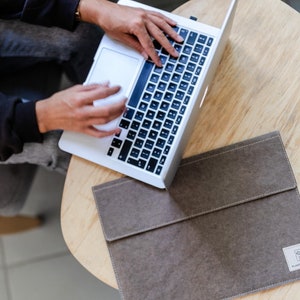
x=170, y=21
x=92, y=131
x=95, y=92
x=88, y=87
x=167, y=27
x=147, y=45
x=161, y=31
x=104, y=114
x=161, y=38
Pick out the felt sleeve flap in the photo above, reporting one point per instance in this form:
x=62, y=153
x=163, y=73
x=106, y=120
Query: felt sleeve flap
x=212, y=181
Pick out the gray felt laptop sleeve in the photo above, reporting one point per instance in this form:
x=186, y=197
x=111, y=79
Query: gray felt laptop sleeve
x=218, y=232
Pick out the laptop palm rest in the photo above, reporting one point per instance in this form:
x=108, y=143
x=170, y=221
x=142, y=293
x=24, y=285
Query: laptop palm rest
x=117, y=69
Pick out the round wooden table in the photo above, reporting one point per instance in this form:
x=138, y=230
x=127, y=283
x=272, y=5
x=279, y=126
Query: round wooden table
x=256, y=90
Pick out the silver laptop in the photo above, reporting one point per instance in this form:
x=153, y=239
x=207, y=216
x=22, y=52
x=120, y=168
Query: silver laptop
x=163, y=103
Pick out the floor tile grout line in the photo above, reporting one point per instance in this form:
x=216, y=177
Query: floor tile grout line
x=5, y=271
x=37, y=259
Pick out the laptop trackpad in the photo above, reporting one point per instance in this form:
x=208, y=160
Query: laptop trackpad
x=118, y=69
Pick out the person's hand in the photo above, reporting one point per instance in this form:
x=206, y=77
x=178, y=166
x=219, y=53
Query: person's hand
x=135, y=27
x=73, y=109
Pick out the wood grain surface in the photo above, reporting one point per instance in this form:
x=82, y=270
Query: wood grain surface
x=256, y=90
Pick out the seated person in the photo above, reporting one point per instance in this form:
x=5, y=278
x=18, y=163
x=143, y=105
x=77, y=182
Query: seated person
x=27, y=127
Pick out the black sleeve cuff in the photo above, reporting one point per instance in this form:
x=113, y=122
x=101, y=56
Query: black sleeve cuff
x=26, y=125
x=59, y=13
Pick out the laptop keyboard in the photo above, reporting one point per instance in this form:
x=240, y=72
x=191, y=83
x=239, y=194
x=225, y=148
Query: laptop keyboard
x=159, y=102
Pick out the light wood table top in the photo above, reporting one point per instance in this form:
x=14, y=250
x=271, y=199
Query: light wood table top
x=256, y=90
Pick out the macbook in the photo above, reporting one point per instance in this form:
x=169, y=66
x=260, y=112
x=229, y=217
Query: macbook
x=163, y=102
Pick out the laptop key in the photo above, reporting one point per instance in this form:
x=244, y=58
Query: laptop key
x=202, y=39
x=198, y=48
x=124, y=124
x=160, y=115
x=162, y=160
x=183, y=59
x=206, y=50
x=169, y=67
x=131, y=134
x=167, y=150
x=143, y=133
x=198, y=70
x=150, y=114
x=158, y=170
x=149, y=144
x=176, y=77
x=165, y=76
x=171, y=139
x=156, y=152
x=210, y=41
x=116, y=143
x=178, y=48
x=179, y=95
x=138, y=116
x=168, y=96
x=128, y=114
x=145, y=154
x=156, y=125
x=135, y=153
x=151, y=164
x=110, y=151
x=154, y=78
x=139, y=143
x=192, y=38
x=125, y=150
x=202, y=61
x=137, y=162
x=183, y=33
x=135, y=125
x=187, y=49
x=179, y=68
x=187, y=76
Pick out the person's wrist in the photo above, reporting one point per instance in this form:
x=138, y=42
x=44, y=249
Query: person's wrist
x=94, y=11
x=40, y=115
x=77, y=12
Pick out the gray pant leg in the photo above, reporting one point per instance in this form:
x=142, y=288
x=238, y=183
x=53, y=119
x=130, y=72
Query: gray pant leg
x=74, y=51
x=24, y=46
x=46, y=154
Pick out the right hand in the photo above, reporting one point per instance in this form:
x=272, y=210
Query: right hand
x=135, y=27
x=72, y=109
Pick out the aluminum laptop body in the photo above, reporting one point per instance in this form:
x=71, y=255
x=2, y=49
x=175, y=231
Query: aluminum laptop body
x=150, y=147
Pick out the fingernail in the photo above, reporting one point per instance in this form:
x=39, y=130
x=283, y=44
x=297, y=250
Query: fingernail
x=176, y=53
x=180, y=38
x=145, y=55
x=105, y=83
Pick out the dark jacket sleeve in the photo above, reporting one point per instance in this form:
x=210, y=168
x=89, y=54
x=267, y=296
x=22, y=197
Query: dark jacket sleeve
x=18, y=125
x=59, y=13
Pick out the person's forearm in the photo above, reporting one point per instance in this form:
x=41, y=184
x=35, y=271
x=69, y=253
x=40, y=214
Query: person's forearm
x=95, y=11
x=59, y=13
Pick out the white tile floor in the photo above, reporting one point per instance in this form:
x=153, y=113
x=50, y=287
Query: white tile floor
x=36, y=265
